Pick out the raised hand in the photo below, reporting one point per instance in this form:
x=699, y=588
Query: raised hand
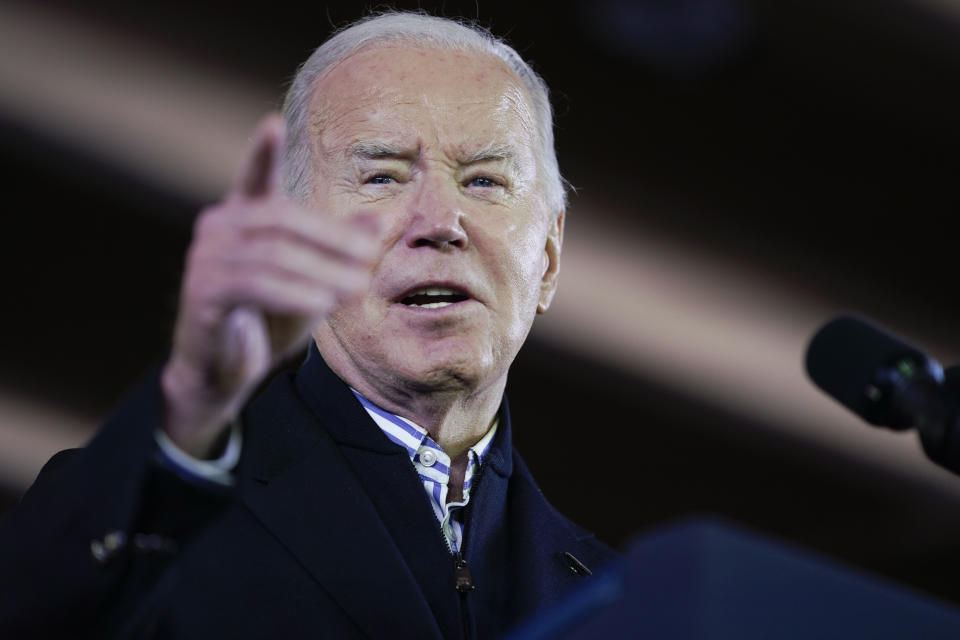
x=261, y=272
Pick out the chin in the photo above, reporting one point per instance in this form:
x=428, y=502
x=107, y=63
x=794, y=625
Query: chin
x=446, y=365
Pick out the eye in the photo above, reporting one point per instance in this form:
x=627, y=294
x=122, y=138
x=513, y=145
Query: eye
x=380, y=178
x=482, y=181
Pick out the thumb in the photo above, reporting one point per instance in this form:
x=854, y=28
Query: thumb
x=245, y=347
x=260, y=172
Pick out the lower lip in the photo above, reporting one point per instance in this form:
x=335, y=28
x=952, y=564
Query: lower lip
x=452, y=307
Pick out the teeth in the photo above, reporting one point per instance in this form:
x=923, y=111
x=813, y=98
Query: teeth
x=434, y=291
x=443, y=297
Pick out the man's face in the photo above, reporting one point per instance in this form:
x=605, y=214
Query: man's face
x=439, y=147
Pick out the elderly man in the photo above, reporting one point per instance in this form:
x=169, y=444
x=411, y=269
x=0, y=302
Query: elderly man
x=407, y=215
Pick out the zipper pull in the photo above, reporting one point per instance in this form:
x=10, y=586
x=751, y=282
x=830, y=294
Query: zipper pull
x=463, y=579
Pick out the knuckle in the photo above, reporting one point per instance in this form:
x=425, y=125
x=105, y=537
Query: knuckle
x=203, y=286
x=272, y=251
x=322, y=302
x=353, y=280
x=197, y=263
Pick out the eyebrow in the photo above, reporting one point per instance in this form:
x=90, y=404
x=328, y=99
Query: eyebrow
x=380, y=151
x=489, y=153
x=369, y=150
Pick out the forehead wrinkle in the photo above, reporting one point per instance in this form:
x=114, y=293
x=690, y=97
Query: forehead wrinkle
x=355, y=135
x=328, y=113
x=495, y=141
x=338, y=121
x=515, y=100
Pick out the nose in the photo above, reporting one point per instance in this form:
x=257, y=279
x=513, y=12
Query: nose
x=436, y=219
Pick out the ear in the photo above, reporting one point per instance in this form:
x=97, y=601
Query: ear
x=551, y=253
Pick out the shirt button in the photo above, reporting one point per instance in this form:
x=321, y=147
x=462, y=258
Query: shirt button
x=427, y=458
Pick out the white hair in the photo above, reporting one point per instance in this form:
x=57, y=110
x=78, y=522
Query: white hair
x=416, y=29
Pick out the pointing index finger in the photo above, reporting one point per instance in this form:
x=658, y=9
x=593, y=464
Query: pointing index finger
x=260, y=172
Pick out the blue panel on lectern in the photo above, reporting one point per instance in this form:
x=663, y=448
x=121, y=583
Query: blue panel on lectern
x=703, y=579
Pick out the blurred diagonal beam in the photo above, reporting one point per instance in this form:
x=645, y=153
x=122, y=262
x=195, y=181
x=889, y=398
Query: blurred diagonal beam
x=178, y=123
x=716, y=330
x=30, y=433
x=710, y=328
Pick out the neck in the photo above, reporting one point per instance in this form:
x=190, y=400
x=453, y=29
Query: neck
x=456, y=415
x=455, y=421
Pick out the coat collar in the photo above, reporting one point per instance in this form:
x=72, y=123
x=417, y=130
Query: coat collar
x=295, y=479
x=331, y=400
x=390, y=480
x=312, y=454
x=327, y=395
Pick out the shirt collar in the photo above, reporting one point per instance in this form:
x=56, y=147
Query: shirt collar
x=412, y=437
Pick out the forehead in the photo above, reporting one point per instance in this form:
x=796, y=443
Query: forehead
x=461, y=100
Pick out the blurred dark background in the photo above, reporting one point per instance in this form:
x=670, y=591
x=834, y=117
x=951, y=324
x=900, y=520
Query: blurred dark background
x=743, y=170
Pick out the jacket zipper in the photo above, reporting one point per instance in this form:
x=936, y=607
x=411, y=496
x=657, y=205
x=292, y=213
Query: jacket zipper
x=462, y=577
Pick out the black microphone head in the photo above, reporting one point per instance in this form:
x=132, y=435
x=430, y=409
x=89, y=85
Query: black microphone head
x=851, y=359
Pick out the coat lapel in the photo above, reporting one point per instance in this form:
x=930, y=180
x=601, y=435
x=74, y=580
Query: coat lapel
x=516, y=540
x=299, y=486
x=345, y=501
x=398, y=496
x=549, y=554
x=541, y=538
x=391, y=482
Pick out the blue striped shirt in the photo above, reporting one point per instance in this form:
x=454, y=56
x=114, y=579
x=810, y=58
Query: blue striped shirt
x=432, y=465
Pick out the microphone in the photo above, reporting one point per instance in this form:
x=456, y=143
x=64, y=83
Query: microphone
x=889, y=383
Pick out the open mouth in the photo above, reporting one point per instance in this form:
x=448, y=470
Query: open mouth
x=433, y=298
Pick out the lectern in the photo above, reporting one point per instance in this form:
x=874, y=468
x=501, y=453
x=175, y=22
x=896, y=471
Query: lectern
x=705, y=579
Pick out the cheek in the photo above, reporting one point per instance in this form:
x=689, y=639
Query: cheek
x=523, y=250
x=345, y=317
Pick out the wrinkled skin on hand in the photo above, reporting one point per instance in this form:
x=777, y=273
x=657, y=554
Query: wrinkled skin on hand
x=260, y=273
